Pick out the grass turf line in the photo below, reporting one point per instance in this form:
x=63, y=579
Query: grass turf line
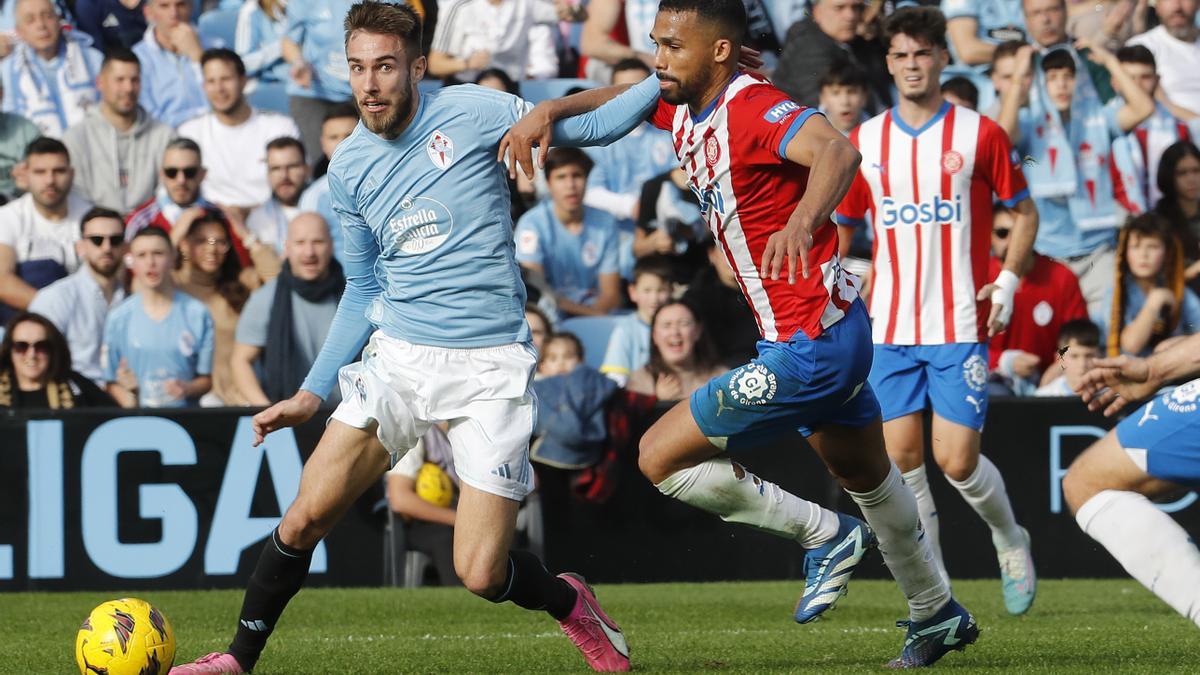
x=1076, y=626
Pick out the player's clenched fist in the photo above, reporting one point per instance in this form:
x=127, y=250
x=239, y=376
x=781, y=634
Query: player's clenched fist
x=288, y=413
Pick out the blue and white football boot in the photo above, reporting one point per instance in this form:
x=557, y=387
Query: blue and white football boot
x=951, y=629
x=827, y=569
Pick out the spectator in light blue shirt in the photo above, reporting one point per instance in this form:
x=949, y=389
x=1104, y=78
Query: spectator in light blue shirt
x=78, y=305
x=975, y=28
x=572, y=245
x=261, y=25
x=338, y=125
x=170, y=51
x=158, y=344
x=315, y=48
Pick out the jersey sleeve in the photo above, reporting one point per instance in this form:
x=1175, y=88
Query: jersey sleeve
x=1000, y=164
x=767, y=120
x=495, y=111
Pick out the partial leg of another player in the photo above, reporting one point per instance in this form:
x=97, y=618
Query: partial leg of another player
x=937, y=623
x=905, y=440
x=682, y=462
x=1108, y=493
x=345, y=463
x=957, y=452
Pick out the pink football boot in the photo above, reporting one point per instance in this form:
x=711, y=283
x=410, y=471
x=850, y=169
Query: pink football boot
x=598, y=638
x=217, y=663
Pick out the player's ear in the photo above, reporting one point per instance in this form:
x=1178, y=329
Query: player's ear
x=724, y=50
x=418, y=68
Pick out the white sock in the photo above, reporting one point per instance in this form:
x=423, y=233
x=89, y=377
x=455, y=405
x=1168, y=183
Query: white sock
x=891, y=510
x=917, y=480
x=1149, y=544
x=728, y=490
x=984, y=491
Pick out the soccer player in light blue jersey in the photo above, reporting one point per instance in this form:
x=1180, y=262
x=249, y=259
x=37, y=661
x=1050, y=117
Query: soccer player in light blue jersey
x=429, y=263
x=1152, y=453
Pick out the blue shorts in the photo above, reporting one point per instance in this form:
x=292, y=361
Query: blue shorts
x=1163, y=436
x=797, y=385
x=953, y=377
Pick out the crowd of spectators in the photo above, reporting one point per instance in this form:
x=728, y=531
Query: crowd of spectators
x=165, y=243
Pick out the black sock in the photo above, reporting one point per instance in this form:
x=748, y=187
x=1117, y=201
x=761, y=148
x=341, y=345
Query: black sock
x=280, y=573
x=529, y=585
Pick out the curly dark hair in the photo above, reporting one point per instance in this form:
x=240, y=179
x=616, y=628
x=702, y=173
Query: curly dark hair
x=60, y=353
x=229, y=282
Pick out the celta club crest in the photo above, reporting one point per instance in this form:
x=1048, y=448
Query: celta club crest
x=441, y=150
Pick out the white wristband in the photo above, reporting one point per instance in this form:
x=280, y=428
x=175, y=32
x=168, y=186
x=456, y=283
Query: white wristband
x=1006, y=287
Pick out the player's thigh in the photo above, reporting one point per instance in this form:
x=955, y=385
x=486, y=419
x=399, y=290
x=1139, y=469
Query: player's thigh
x=955, y=448
x=673, y=443
x=346, y=462
x=483, y=533
x=853, y=454
x=1105, y=465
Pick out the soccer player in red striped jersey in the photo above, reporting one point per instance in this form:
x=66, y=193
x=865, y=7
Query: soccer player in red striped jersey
x=929, y=174
x=769, y=173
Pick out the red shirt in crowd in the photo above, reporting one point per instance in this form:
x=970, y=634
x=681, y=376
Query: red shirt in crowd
x=1048, y=297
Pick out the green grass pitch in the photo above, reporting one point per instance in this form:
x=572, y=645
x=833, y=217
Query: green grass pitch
x=1074, y=627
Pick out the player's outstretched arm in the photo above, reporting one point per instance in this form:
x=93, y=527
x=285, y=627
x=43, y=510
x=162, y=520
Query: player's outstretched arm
x=1113, y=383
x=594, y=117
x=832, y=162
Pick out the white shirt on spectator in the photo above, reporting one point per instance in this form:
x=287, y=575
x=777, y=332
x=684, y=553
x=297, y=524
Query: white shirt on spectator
x=1178, y=65
x=76, y=305
x=502, y=29
x=269, y=222
x=32, y=236
x=236, y=157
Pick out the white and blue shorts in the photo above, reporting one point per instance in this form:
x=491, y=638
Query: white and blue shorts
x=485, y=395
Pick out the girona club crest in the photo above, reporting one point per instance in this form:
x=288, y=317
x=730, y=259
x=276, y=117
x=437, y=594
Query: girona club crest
x=712, y=151
x=441, y=150
x=952, y=162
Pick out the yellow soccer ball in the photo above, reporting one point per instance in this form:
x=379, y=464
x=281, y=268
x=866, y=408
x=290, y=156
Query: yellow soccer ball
x=434, y=485
x=125, y=637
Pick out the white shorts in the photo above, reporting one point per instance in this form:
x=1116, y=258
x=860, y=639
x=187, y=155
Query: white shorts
x=485, y=394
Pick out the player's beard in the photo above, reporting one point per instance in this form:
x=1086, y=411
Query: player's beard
x=387, y=124
x=689, y=92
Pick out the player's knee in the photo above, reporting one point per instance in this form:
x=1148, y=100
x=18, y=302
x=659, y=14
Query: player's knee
x=1078, y=486
x=486, y=581
x=650, y=459
x=959, y=466
x=303, y=527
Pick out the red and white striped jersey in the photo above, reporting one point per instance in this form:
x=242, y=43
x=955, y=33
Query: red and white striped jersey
x=733, y=153
x=929, y=194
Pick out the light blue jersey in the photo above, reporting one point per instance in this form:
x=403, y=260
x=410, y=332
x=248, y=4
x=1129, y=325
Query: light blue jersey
x=429, y=253
x=180, y=347
x=573, y=263
x=317, y=26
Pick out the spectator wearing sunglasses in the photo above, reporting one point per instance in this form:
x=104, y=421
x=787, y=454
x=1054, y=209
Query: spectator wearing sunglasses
x=1047, y=298
x=117, y=147
x=78, y=305
x=35, y=368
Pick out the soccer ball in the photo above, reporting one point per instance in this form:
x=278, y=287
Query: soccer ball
x=434, y=486
x=125, y=637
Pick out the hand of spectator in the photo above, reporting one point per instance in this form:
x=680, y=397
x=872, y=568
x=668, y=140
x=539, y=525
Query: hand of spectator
x=1023, y=63
x=479, y=60
x=662, y=241
x=126, y=377
x=6, y=45
x=1114, y=382
x=570, y=12
x=1097, y=53
x=287, y=413
x=668, y=387
x=185, y=40
x=174, y=389
x=20, y=176
x=183, y=223
x=302, y=74
x=789, y=246
x=1119, y=12
x=1192, y=271
x=236, y=217
x=1161, y=298
x=536, y=128
x=1025, y=365
x=750, y=59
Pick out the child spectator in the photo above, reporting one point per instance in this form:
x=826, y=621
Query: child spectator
x=1047, y=298
x=629, y=344
x=158, y=344
x=844, y=95
x=563, y=353
x=1145, y=143
x=682, y=356
x=1078, y=347
x=1148, y=302
x=960, y=91
x=1068, y=135
x=574, y=247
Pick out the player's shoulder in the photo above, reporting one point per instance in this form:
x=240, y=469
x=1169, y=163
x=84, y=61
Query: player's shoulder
x=468, y=97
x=752, y=94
